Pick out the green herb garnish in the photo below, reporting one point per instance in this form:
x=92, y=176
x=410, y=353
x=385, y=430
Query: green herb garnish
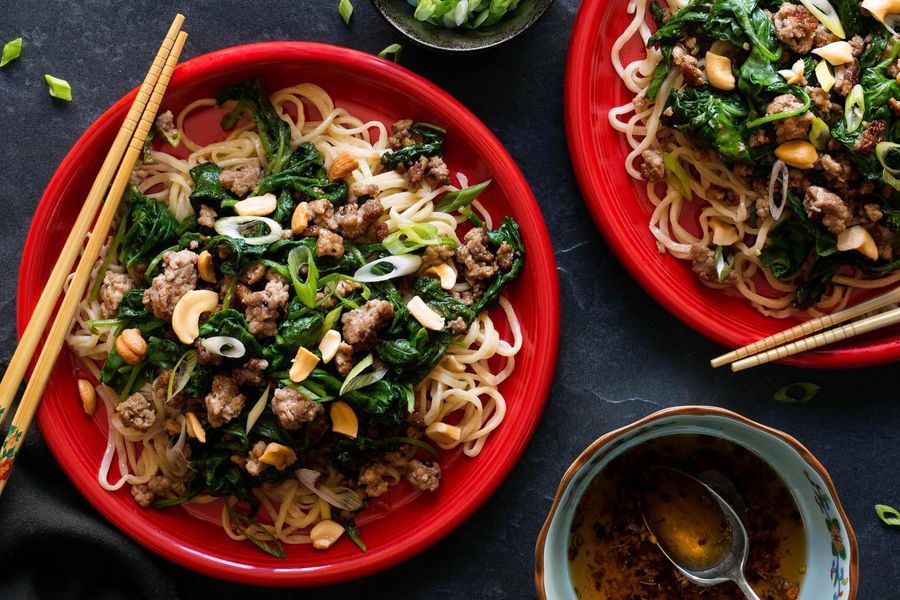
x=59, y=88
x=797, y=393
x=11, y=51
x=393, y=51
x=345, y=8
x=888, y=514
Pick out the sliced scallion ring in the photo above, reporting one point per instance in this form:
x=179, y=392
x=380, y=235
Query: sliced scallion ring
x=257, y=410
x=824, y=75
x=677, y=176
x=234, y=227
x=819, y=134
x=888, y=514
x=888, y=154
x=826, y=14
x=224, y=345
x=377, y=270
x=356, y=379
x=779, y=169
x=181, y=373
x=796, y=393
x=855, y=108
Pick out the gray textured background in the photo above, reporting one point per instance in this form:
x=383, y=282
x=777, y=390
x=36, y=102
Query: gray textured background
x=621, y=356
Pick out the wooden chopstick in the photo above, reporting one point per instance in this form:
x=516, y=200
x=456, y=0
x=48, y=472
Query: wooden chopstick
x=49, y=296
x=808, y=328
x=55, y=339
x=843, y=332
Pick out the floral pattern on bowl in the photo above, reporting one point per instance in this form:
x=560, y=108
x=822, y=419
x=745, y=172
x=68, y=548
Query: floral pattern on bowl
x=831, y=550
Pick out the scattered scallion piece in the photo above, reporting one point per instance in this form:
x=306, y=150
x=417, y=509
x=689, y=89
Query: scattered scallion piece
x=797, y=393
x=723, y=264
x=345, y=8
x=59, y=88
x=11, y=51
x=677, y=176
x=353, y=532
x=393, y=52
x=242, y=523
x=855, y=108
x=888, y=514
x=453, y=201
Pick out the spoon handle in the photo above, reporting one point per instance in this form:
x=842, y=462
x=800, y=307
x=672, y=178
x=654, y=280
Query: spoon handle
x=745, y=587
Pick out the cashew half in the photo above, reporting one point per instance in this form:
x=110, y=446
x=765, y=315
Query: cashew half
x=343, y=419
x=857, y=238
x=718, y=71
x=257, y=206
x=325, y=533
x=186, y=316
x=424, y=314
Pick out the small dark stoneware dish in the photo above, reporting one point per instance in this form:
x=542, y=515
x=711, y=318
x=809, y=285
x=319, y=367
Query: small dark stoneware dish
x=400, y=15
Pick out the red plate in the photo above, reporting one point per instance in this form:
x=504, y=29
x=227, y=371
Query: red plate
x=369, y=87
x=621, y=210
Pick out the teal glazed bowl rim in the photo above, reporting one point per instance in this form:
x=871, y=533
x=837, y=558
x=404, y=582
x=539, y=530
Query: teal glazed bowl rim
x=823, y=515
x=399, y=14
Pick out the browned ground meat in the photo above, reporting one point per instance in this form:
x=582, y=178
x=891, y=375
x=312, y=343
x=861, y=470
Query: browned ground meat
x=179, y=277
x=321, y=213
x=703, y=264
x=293, y=409
x=137, y=412
x=205, y=357
x=402, y=136
x=759, y=137
x=476, y=260
x=884, y=240
x=112, y=289
x=872, y=213
x=424, y=475
x=264, y=307
x=652, y=168
x=224, y=402
x=435, y=255
x=823, y=36
x=457, y=325
x=250, y=461
x=343, y=359
x=762, y=207
x=159, y=487
x=829, y=208
x=838, y=168
x=253, y=274
x=845, y=77
x=505, y=256
x=165, y=122
x=859, y=43
x=873, y=133
x=361, y=325
x=431, y=170
x=692, y=74
x=358, y=189
x=795, y=27
x=329, y=244
x=792, y=128
x=821, y=100
x=356, y=221
x=372, y=479
x=241, y=180
x=207, y=216
x=251, y=372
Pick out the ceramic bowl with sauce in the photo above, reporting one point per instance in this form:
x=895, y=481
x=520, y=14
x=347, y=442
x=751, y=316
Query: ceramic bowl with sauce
x=595, y=546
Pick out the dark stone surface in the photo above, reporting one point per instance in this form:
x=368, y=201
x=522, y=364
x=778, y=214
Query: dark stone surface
x=621, y=356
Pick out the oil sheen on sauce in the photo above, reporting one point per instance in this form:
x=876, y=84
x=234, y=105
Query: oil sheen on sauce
x=613, y=556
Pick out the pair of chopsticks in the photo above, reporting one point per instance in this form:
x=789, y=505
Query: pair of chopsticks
x=795, y=340
x=113, y=176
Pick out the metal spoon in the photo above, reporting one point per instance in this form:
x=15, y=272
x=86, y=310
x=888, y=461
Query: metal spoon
x=697, y=530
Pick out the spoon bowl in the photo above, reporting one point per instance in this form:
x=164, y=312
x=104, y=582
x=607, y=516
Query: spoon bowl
x=697, y=530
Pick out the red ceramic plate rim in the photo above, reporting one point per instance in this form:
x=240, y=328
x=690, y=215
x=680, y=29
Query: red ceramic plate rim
x=597, y=183
x=540, y=260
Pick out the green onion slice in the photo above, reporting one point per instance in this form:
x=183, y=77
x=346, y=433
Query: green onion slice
x=826, y=14
x=888, y=514
x=394, y=51
x=181, y=373
x=677, y=176
x=356, y=379
x=345, y=9
x=855, y=108
x=723, y=264
x=305, y=288
x=819, y=134
x=11, y=51
x=353, y=532
x=888, y=154
x=388, y=268
x=59, y=88
x=236, y=227
x=797, y=393
x=453, y=201
x=257, y=409
x=413, y=236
